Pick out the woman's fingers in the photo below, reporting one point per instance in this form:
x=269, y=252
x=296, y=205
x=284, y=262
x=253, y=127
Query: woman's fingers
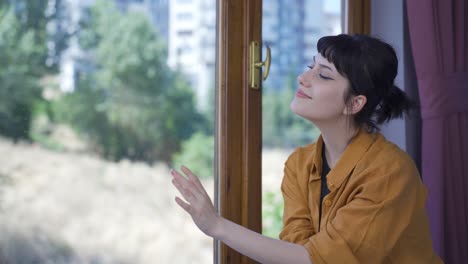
x=184, y=205
x=191, y=176
x=183, y=191
x=194, y=179
x=198, y=203
x=184, y=186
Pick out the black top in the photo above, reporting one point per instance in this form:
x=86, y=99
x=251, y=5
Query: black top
x=324, y=190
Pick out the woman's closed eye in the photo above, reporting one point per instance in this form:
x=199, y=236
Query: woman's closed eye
x=320, y=74
x=324, y=77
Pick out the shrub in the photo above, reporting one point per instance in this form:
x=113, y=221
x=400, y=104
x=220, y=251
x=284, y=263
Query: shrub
x=197, y=153
x=272, y=214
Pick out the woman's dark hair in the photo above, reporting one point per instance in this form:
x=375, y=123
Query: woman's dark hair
x=371, y=66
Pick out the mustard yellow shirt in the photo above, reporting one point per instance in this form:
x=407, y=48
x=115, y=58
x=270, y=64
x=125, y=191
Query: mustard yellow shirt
x=374, y=213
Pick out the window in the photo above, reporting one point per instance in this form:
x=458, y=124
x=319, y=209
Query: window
x=186, y=16
x=238, y=156
x=87, y=163
x=88, y=179
x=185, y=33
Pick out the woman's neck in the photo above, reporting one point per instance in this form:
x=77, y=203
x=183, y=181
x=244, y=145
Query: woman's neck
x=336, y=138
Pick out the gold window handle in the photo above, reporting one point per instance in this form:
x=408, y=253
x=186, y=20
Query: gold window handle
x=256, y=64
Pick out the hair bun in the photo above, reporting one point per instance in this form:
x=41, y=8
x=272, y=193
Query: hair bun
x=393, y=105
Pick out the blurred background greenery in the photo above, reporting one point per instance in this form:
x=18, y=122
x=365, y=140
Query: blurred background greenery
x=127, y=104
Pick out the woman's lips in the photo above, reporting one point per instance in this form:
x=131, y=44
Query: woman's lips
x=301, y=94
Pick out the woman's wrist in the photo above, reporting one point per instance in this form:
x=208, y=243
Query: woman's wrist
x=218, y=228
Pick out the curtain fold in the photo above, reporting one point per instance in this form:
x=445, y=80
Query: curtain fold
x=439, y=42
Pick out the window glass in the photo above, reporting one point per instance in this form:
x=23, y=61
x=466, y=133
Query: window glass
x=291, y=29
x=98, y=100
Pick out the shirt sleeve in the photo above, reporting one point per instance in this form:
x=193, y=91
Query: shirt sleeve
x=297, y=225
x=367, y=228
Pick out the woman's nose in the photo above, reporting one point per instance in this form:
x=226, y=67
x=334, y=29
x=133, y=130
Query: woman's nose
x=302, y=81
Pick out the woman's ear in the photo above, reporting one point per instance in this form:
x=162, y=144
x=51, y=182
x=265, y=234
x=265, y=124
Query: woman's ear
x=357, y=103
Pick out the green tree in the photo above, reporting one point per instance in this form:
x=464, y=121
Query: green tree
x=272, y=214
x=131, y=105
x=25, y=58
x=281, y=127
x=20, y=68
x=197, y=153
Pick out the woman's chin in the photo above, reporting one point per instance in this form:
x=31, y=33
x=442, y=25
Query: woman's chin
x=301, y=111
x=298, y=108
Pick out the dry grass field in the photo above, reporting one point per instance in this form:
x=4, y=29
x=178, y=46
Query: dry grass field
x=65, y=207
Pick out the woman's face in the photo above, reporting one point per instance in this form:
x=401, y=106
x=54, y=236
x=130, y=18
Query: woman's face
x=320, y=96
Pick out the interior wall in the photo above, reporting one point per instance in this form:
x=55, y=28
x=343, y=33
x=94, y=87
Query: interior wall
x=388, y=23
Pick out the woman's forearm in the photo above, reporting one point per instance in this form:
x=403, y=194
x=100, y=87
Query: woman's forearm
x=258, y=247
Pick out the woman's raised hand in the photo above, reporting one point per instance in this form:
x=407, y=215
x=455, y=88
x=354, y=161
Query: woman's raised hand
x=199, y=204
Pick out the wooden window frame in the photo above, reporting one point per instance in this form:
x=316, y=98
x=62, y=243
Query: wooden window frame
x=238, y=122
x=357, y=16
x=238, y=133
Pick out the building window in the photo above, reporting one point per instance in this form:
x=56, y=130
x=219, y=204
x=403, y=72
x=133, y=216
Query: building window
x=184, y=16
x=184, y=33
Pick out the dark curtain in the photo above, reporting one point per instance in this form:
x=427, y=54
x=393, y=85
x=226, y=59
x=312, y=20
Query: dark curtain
x=439, y=42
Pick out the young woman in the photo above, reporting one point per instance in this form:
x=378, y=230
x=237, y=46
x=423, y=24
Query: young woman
x=352, y=196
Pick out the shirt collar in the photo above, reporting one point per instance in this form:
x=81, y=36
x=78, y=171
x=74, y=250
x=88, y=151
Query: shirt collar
x=348, y=160
x=317, y=162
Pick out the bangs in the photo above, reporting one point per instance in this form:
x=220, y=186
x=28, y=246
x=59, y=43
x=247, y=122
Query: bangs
x=341, y=50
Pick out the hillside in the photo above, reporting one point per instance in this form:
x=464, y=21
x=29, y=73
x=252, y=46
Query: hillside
x=76, y=208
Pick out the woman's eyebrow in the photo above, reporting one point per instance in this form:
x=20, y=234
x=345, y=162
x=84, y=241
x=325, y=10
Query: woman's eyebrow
x=324, y=66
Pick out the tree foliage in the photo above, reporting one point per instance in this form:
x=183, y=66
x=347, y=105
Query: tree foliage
x=281, y=127
x=129, y=103
x=20, y=68
x=197, y=153
x=29, y=51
